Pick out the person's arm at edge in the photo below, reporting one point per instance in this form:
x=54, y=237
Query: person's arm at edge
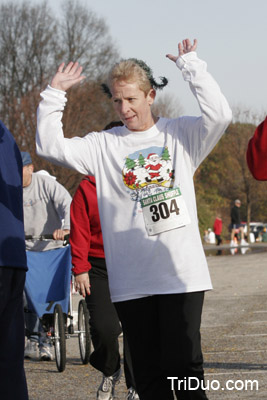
x=257, y=152
x=61, y=201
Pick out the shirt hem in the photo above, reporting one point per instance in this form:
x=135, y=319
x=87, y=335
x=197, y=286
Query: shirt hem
x=116, y=299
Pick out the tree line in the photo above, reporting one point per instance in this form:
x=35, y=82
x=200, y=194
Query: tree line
x=33, y=42
x=224, y=177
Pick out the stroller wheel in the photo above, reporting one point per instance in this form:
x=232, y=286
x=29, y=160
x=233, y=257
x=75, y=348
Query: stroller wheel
x=59, y=338
x=84, y=333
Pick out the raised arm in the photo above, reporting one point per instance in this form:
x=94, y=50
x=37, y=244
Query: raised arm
x=50, y=142
x=200, y=134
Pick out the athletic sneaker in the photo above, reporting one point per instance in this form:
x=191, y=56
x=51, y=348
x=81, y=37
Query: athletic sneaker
x=31, y=349
x=132, y=394
x=107, y=388
x=244, y=242
x=46, y=353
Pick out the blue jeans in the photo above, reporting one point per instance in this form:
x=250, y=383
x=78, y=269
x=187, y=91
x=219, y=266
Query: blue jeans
x=33, y=326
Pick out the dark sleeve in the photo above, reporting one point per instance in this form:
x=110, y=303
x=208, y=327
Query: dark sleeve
x=257, y=152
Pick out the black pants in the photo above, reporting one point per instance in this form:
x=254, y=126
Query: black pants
x=218, y=239
x=12, y=376
x=105, y=326
x=163, y=332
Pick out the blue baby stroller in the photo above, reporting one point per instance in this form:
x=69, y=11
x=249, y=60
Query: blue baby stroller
x=48, y=293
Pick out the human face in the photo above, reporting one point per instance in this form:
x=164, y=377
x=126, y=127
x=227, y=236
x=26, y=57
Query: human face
x=132, y=105
x=27, y=175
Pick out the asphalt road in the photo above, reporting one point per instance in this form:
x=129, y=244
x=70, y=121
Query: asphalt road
x=234, y=339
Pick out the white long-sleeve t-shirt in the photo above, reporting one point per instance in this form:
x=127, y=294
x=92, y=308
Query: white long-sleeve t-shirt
x=134, y=167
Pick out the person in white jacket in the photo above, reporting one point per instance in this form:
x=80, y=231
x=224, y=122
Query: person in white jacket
x=155, y=260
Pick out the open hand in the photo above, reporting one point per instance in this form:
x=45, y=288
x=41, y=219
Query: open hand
x=183, y=48
x=82, y=284
x=66, y=78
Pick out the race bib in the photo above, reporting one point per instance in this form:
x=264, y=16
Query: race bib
x=164, y=211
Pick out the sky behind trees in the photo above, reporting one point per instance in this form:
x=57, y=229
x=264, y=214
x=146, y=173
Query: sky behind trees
x=34, y=40
x=232, y=37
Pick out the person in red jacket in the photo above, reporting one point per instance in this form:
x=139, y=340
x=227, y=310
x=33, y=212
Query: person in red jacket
x=257, y=152
x=89, y=267
x=217, y=228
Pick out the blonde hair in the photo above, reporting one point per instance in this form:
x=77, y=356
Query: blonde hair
x=133, y=70
x=129, y=71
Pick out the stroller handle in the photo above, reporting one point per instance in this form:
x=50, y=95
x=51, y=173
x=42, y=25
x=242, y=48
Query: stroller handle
x=47, y=237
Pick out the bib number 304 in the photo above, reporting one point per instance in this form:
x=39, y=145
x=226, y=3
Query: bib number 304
x=164, y=210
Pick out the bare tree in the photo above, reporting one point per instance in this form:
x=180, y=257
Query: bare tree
x=247, y=116
x=167, y=106
x=27, y=48
x=32, y=44
x=85, y=38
